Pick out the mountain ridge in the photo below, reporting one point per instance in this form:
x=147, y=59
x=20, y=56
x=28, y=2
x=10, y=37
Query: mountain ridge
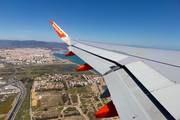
x=31, y=44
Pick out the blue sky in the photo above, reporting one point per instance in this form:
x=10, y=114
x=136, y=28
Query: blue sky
x=151, y=23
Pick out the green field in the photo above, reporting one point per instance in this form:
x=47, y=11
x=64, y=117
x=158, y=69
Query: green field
x=38, y=70
x=6, y=105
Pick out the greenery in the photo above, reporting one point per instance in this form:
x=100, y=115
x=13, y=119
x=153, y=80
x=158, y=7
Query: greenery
x=60, y=109
x=60, y=104
x=45, y=109
x=75, y=90
x=93, y=108
x=6, y=105
x=90, y=115
x=1, y=96
x=74, y=98
x=99, y=105
x=84, y=110
x=40, y=110
x=72, y=90
x=83, y=102
x=3, y=118
x=27, y=117
x=71, y=109
x=34, y=108
x=31, y=71
x=82, y=89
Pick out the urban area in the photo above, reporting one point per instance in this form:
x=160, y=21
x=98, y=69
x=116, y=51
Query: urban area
x=36, y=85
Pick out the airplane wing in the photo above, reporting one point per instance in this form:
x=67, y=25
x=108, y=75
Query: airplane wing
x=143, y=82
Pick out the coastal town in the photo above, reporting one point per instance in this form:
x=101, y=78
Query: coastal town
x=55, y=89
x=27, y=56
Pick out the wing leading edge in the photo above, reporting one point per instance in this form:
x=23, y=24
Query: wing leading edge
x=138, y=89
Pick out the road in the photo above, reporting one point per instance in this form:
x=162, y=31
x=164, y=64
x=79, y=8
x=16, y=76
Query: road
x=20, y=99
x=23, y=92
x=9, y=83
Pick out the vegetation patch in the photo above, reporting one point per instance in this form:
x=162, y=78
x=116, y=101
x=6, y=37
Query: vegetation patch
x=82, y=89
x=86, y=96
x=6, y=105
x=40, y=110
x=65, y=97
x=60, y=109
x=3, y=118
x=96, y=98
x=38, y=70
x=51, y=98
x=46, y=118
x=83, y=102
x=71, y=109
x=99, y=105
x=72, y=90
x=84, y=110
x=60, y=104
x=27, y=117
x=74, y=98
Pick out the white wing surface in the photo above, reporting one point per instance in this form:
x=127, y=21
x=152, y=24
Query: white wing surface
x=143, y=82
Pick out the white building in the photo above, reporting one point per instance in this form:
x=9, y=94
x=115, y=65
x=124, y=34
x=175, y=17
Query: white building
x=8, y=91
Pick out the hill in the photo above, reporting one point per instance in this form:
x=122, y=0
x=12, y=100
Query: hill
x=31, y=44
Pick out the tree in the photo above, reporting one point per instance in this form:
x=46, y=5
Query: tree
x=45, y=109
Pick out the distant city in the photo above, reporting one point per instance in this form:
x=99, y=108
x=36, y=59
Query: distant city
x=20, y=56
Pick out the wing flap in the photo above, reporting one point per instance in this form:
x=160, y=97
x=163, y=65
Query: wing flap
x=164, y=90
x=131, y=103
x=169, y=97
x=125, y=104
x=150, y=78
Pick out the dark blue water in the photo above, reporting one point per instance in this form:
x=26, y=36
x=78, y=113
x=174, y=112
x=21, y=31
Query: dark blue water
x=105, y=87
x=74, y=59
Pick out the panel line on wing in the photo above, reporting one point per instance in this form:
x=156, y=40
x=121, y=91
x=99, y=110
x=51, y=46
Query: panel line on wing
x=132, y=55
x=150, y=96
x=99, y=56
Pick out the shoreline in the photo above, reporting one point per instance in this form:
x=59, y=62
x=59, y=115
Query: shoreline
x=73, y=63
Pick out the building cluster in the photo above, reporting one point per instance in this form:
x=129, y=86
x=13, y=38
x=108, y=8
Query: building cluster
x=2, y=82
x=1, y=65
x=9, y=89
x=27, y=56
x=60, y=81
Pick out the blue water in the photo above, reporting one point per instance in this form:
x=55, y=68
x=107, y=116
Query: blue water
x=74, y=59
x=105, y=87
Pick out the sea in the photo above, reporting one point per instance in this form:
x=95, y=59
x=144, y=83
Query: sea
x=74, y=59
x=104, y=87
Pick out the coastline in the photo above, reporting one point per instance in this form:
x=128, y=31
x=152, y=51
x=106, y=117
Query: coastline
x=63, y=59
x=71, y=62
